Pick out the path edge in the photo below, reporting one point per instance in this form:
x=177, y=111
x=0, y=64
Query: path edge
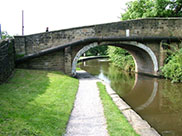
x=141, y=126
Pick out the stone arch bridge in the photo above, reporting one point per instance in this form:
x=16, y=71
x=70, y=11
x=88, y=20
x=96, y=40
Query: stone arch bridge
x=145, y=39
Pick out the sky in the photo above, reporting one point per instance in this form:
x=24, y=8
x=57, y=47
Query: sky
x=57, y=14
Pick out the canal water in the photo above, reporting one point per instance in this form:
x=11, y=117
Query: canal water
x=158, y=101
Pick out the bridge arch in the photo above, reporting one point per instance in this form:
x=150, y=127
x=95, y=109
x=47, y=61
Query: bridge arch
x=144, y=58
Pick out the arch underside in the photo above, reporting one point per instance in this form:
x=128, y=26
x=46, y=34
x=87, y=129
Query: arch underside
x=144, y=58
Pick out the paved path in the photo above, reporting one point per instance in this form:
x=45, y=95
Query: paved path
x=87, y=117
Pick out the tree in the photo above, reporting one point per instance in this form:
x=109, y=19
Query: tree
x=152, y=8
x=99, y=50
x=5, y=35
x=121, y=58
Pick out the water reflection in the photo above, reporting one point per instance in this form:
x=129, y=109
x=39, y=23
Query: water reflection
x=156, y=100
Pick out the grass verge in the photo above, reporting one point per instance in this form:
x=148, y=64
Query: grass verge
x=36, y=103
x=117, y=124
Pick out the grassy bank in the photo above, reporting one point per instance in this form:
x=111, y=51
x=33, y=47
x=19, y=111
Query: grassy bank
x=36, y=103
x=116, y=122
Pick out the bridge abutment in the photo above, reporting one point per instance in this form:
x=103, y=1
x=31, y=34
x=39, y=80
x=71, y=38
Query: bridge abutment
x=67, y=60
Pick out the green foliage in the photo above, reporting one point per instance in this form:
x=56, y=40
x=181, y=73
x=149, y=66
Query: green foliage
x=149, y=8
x=18, y=56
x=96, y=51
x=173, y=69
x=121, y=58
x=36, y=103
x=78, y=69
x=152, y=8
x=116, y=122
x=5, y=35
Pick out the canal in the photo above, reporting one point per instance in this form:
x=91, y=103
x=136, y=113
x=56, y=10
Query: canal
x=157, y=101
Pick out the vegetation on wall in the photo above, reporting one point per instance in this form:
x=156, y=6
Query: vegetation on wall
x=173, y=68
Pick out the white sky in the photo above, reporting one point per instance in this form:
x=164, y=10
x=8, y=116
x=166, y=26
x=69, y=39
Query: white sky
x=57, y=14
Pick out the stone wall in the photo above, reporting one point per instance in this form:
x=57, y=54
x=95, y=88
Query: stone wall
x=7, y=59
x=53, y=61
x=141, y=27
x=62, y=59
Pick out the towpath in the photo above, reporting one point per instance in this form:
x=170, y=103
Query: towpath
x=87, y=117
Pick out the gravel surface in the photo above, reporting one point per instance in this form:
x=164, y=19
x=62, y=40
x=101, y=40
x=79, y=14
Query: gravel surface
x=87, y=117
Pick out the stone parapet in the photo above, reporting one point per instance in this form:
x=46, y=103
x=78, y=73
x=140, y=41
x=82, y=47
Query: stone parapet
x=140, y=27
